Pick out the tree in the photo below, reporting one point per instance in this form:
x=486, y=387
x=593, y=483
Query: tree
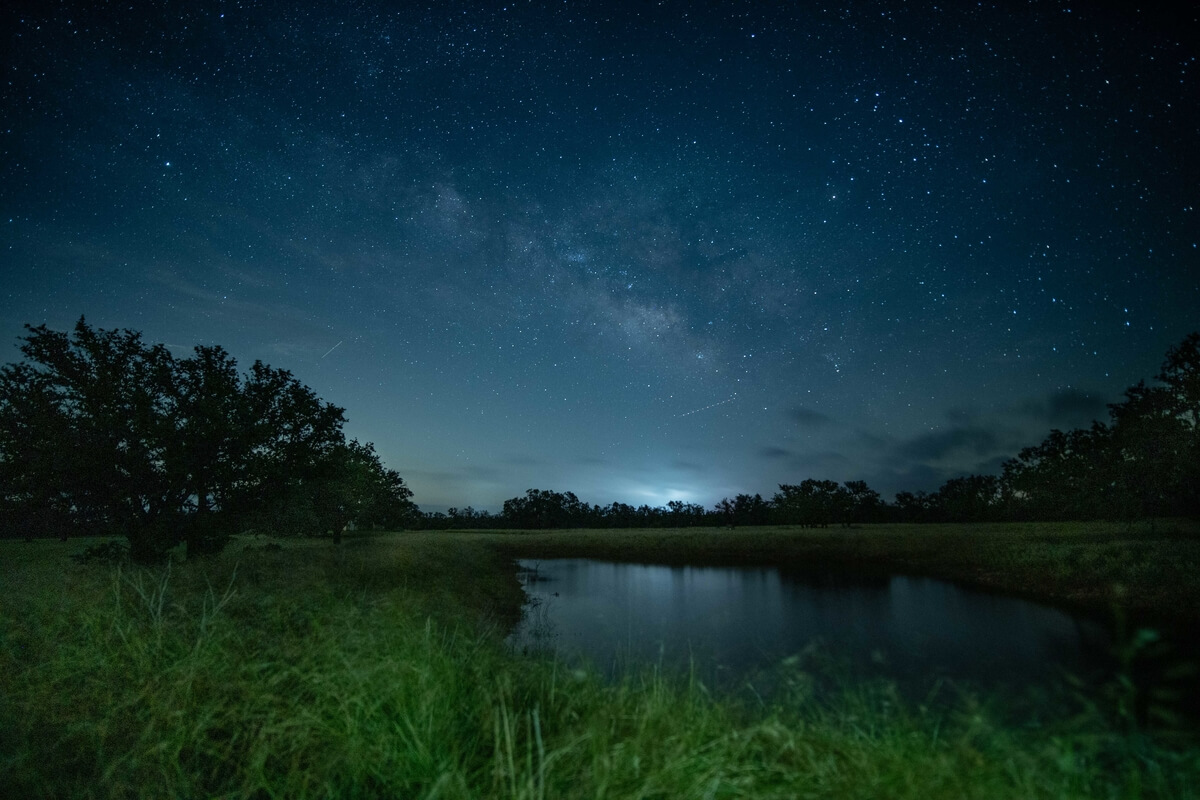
x=209, y=449
x=683, y=514
x=355, y=487
x=751, y=509
x=1145, y=462
x=1181, y=378
x=813, y=503
x=86, y=432
x=971, y=498
x=470, y=518
x=37, y=485
x=743, y=510
x=620, y=515
x=865, y=504
x=103, y=434
x=1068, y=476
x=1150, y=449
x=541, y=508
x=912, y=507
x=1156, y=437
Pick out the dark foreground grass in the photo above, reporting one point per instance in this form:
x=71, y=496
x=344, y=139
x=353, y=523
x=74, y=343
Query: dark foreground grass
x=377, y=670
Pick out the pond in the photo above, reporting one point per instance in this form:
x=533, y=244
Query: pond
x=729, y=623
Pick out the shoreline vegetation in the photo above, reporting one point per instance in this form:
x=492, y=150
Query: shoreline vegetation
x=297, y=668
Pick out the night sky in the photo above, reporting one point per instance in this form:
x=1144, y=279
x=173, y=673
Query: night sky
x=639, y=252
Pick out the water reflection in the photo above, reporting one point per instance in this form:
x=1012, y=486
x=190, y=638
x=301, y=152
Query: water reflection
x=730, y=622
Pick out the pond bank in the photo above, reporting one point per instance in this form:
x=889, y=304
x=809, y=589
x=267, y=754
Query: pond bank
x=1147, y=572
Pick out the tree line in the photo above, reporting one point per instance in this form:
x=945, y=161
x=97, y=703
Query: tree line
x=101, y=433
x=812, y=503
x=1143, y=463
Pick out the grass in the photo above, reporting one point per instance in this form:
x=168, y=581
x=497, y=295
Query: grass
x=377, y=670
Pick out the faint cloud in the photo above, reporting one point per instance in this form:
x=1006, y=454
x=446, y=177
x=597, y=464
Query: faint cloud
x=962, y=416
x=282, y=329
x=825, y=464
x=873, y=441
x=477, y=472
x=955, y=441
x=909, y=478
x=830, y=458
x=991, y=466
x=1066, y=408
x=592, y=461
x=808, y=418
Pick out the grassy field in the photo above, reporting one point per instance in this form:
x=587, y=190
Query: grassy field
x=297, y=669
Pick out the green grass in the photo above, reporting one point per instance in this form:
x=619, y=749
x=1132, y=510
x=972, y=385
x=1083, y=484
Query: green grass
x=378, y=670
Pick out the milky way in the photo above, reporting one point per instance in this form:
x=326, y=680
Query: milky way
x=547, y=245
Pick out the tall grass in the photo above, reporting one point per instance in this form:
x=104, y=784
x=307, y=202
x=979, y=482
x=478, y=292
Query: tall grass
x=379, y=671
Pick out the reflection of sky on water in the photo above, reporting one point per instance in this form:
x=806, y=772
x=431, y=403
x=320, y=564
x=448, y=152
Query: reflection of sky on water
x=737, y=620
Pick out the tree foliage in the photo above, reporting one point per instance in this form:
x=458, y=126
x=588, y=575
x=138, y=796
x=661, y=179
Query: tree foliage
x=101, y=433
x=970, y=498
x=541, y=508
x=1143, y=463
x=813, y=503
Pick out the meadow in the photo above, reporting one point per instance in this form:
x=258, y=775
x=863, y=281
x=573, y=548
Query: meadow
x=295, y=668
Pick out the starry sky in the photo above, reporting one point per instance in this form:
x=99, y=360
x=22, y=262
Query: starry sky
x=638, y=251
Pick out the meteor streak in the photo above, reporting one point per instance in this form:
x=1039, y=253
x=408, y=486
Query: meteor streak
x=330, y=350
x=706, y=408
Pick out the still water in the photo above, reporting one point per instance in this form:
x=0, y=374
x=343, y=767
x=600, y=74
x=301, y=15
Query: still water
x=732, y=622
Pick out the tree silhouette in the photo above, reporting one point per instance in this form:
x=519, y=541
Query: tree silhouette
x=971, y=498
x=865, y=503
x=1143, y=463
x=87, y=429
x=913, y=507
x=1158, y=429
x=103, y=434
x=813, y=503
x=1067, y=476
x=541, y=508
